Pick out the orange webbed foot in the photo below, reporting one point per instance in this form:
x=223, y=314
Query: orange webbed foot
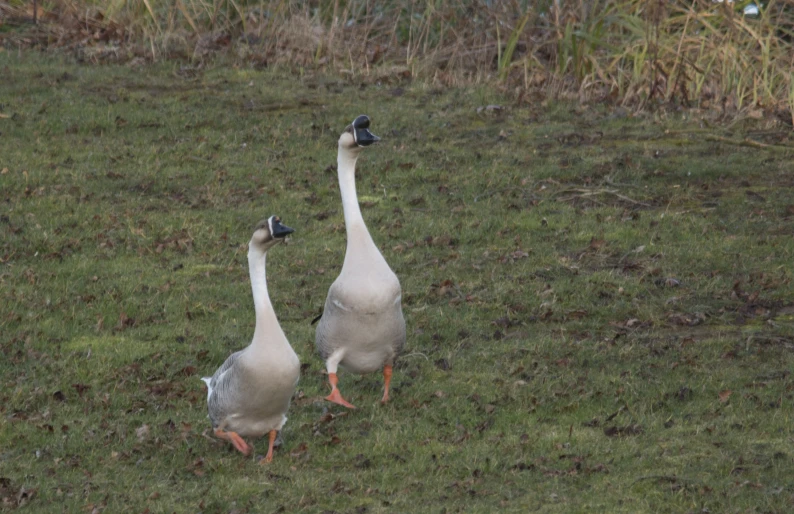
x=336, y=396
x=236, y=441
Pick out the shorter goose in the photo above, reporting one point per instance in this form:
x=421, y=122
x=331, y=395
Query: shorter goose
x=250, y=393
x=362, y=327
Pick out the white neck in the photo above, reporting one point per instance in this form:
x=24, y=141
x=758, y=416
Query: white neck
x=346, y=169
x=357, y=233
x=265, y=315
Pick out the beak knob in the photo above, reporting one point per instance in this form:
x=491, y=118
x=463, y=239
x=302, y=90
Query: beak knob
x=361, y=132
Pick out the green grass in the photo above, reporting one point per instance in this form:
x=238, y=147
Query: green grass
x=599, y=306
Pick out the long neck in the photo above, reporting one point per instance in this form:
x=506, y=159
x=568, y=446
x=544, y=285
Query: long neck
x=357, y=234
x=265, y=315
x=346, y=169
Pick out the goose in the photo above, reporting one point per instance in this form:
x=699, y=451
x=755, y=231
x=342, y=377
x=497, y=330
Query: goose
x=248, y=396
x=362, y=328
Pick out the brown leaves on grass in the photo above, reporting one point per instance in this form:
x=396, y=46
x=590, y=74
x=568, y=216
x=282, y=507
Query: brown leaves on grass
x=11, y=497
x=196, y=467
x=299, y=451
x=124, y=322
x=188, y=371
x=445, y=288
x=180, y=241
x=596, y=244
x=725, y=395
x=324, y=427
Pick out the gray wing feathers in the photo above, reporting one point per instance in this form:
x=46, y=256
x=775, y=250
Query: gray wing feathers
x=220, y=386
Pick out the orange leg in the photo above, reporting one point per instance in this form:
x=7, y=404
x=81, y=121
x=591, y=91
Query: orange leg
x=336, y=396
x=235, y=439
x=269, y=456
x=386, y=381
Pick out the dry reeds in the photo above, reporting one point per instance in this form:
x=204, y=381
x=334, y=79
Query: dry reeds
x=639, y=53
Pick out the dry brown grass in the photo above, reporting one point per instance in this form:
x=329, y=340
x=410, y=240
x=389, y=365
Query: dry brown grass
x=639, y=53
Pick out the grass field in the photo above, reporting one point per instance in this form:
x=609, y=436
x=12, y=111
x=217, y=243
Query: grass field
x=599, y=304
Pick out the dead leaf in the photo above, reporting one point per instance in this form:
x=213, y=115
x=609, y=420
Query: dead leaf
x=724, y=395
x=595, y=244
x=300, y=450
x=124, y=322
x=196, y=467
x=188, y=371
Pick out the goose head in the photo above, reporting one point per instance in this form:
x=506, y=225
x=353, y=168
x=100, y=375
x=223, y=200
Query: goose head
x=357, y=135
x=267, y=234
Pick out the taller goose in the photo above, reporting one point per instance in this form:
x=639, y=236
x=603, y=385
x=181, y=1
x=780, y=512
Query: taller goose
x=362, y=327
x=248, y=396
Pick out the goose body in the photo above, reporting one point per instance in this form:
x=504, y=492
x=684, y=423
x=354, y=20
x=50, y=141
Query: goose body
x=249, y=395
x=362, y=328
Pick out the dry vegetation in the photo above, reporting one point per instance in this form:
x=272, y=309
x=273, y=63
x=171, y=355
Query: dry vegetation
x=639, y=53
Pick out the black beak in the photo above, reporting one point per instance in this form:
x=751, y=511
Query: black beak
x=361, y=132
x=281, y=231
